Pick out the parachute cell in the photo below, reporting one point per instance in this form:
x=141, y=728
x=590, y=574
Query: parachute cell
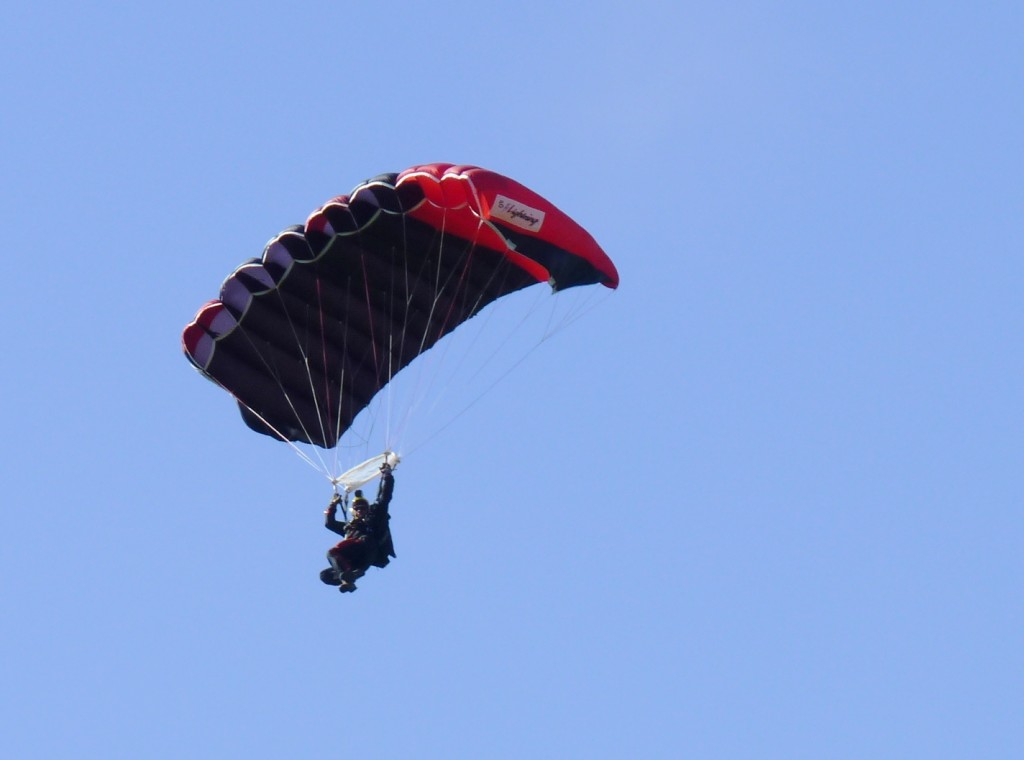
x=307, y=335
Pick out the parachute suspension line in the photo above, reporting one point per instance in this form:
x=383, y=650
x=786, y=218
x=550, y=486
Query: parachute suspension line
x=541, y=294
x=374, y=406
x=429, y=367
x=392, y=354
x=395, y=433
x=351, y=435
x=272, y=372
x=488, y=361
x=466, y=262
x=384, y=372
x=441, y=358
x=547, y=327
x=302, y=454
x=342, y=498
x=393, y=333
x=403, y=292
x=303, y=353
x=361, y=436
x=369, y=312
x=476, y=399
x=553, y=326
x=582, y=305
x=323, y=354
x=499, y=348
x=341, y=386
x=438, y=285
x=393, y=406
x=399, y=291
x=261, y=418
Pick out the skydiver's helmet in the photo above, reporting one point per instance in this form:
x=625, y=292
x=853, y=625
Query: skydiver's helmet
x=360, y=504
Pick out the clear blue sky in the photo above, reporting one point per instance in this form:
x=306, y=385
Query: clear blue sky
x=764, y=502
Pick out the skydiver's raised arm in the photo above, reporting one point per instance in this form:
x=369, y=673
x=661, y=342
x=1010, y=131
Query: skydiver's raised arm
x=387, y=487
x=331, y=521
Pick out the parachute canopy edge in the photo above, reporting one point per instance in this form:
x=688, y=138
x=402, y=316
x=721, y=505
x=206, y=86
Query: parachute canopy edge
x=531, y=226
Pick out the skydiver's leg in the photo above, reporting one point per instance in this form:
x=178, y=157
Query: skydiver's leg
x=340, y=555
x=348, y=560
x=349, y=578
x=330, y=576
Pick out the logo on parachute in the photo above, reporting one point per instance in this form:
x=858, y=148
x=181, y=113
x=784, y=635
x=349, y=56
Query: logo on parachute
x=517, y=213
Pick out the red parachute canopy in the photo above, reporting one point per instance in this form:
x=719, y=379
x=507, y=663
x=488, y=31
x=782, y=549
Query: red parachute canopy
x=305, y=337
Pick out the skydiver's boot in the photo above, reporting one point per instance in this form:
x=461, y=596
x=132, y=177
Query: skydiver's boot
x=348, y=583
x=330, y=576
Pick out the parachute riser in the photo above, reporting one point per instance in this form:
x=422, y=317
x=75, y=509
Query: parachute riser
x=341, y=498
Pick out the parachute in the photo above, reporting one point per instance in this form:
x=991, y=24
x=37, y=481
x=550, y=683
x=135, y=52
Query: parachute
x=307, y=335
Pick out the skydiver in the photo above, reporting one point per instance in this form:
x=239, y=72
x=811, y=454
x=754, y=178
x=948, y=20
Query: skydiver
x=367, y=535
